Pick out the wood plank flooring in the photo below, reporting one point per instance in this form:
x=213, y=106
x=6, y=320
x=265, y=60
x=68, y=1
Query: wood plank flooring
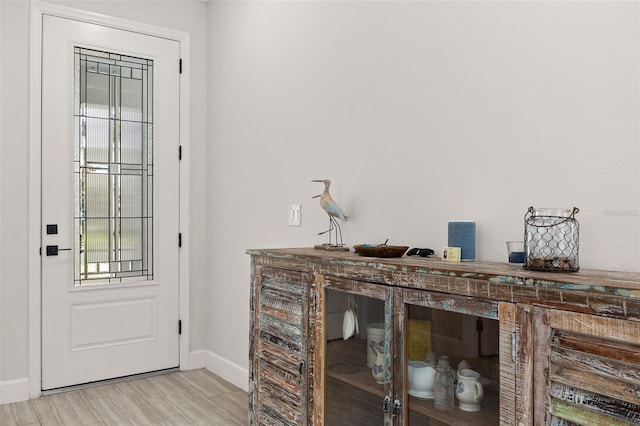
x=194, y=397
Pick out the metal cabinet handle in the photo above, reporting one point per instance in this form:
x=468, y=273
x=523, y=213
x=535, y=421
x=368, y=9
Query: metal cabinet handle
x=397, y=406
x=386, y=403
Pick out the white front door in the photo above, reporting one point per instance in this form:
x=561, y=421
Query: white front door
x=110, y=202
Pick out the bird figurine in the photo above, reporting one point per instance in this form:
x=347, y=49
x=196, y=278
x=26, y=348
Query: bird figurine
x=333, y=210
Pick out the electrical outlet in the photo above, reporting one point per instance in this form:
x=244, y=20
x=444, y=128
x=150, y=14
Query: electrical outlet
x=295, y=213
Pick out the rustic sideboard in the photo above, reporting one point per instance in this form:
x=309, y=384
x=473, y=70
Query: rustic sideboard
x=552, y=348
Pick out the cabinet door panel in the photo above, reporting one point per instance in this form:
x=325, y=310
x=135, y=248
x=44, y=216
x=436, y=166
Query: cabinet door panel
x=589, y=368
x=344, y=383
x=280, y=332
x=478, y=331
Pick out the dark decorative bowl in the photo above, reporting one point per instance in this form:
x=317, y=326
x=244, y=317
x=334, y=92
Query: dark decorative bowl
x=380, y=251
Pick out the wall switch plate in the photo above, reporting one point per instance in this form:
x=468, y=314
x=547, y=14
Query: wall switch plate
x=295, y=214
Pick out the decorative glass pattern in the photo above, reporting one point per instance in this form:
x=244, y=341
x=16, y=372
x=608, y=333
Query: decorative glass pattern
x=113, y=167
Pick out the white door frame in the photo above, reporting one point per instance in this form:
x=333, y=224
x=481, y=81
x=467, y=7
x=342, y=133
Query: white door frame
x=38, y=9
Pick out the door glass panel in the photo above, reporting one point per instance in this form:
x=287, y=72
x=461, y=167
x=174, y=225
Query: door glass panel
x=470, y=346
x=353, y=396
x=113, y=167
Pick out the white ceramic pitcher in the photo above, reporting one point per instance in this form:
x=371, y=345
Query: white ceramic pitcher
x=469, y=390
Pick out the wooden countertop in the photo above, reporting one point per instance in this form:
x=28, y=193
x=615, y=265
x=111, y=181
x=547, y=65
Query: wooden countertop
x=495, y=280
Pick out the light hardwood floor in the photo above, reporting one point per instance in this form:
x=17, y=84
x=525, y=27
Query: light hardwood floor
x=195, y=397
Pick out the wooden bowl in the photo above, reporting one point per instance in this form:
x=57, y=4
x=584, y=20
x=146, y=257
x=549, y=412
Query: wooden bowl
x=380, y=251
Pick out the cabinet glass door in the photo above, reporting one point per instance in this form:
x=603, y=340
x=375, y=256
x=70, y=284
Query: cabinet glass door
x=454, y=335
x=357, y=335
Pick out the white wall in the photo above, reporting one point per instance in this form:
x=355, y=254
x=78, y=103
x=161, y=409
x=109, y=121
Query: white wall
x=14, y=144
x=185, y=15
x=420, y=113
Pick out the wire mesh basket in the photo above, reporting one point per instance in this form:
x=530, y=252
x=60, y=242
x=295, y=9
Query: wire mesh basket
x=551, y=240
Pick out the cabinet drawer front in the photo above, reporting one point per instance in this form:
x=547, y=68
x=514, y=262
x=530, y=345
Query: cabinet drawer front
x=281, y=347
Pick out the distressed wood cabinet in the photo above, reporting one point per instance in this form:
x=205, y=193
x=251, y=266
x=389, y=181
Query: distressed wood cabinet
x=552, y=349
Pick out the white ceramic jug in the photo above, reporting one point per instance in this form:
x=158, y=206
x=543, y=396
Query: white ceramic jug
x=469, y=390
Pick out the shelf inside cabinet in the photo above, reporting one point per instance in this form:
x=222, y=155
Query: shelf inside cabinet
x=346, y=362
x=488, y=416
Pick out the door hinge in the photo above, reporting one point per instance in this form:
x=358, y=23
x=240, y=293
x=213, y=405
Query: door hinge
x=180, y=66
x=180, y=239
x=179, y=326
x=180, y=152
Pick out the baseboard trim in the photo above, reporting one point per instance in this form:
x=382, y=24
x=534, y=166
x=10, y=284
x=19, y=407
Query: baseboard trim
x=197, y=359
x=14, y=390
x=231, y=372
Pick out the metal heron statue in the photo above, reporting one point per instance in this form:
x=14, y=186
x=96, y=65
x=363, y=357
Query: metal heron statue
x=333, y=210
